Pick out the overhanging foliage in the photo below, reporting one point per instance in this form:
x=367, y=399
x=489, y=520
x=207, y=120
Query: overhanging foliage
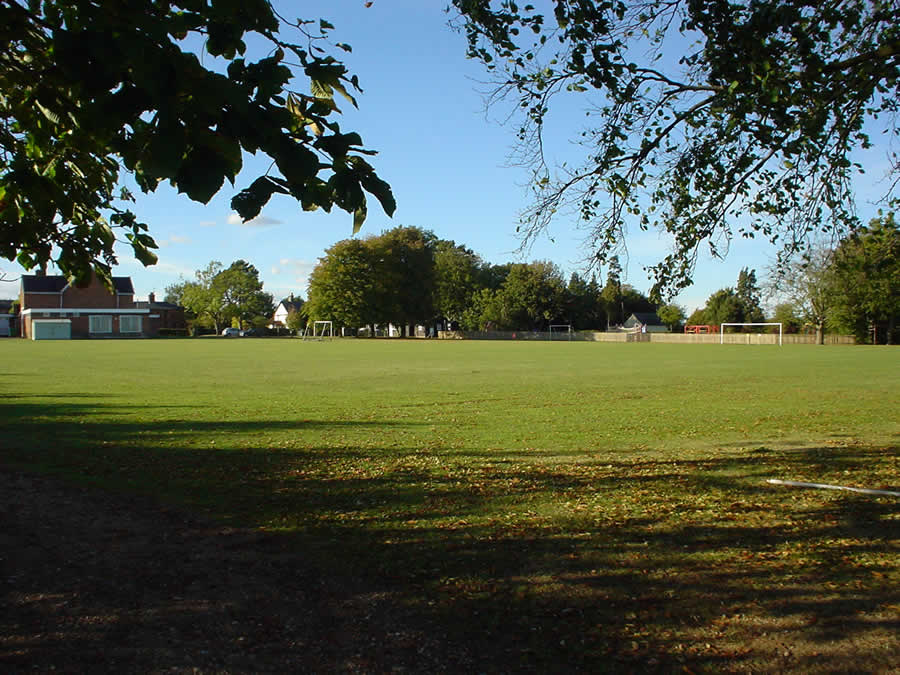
x=90, y=90
x=751, y=132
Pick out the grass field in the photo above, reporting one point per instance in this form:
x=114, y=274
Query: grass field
x=557, y=505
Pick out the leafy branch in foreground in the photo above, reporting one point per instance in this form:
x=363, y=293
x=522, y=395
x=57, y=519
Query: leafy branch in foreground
x=89, y=90
x=750, y=132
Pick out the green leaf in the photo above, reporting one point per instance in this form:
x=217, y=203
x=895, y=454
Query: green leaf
x=297, y=163
x=163, y=154
x=381, y=191
x=201, y=175
x=359, y=216
x=146, y=256
x=250, y=201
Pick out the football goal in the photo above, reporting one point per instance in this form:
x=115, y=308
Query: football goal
x=560, y=329
x=722, y=330
x=320, y=330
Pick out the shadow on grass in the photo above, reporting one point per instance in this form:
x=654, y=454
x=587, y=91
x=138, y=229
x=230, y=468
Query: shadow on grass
x=371, y=558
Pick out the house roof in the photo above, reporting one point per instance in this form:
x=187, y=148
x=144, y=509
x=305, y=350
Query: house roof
x=32, y=283
x=646, y=319
x=291, y=305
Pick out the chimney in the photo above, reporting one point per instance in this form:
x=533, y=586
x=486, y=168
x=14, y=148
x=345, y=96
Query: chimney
x=152, y=298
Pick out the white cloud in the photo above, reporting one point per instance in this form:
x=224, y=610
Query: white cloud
x=207, y=223
x=259, y=221
x=174, y=239
x=298, y=270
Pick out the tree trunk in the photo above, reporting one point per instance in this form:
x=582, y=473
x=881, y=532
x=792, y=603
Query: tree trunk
x=820, y=333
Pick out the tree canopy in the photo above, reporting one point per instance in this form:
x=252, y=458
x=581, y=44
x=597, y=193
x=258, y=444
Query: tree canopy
x=808, y=286
x=220, y=295
x=712, y=119
x=342, y=285
x=867, y=280
x=407, y=276
x=378, y=279
x=737, y=304
x=163, y=90
x=242, y=294
x=672, y=315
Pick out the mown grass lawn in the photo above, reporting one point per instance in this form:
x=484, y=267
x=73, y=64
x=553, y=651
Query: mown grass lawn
x=560, y=506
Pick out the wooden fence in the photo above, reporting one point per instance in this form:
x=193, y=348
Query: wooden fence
x=675, y=338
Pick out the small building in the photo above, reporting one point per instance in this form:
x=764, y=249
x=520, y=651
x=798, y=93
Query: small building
x=53, y=308
x=8, y=316
x=646, y=322
x=285, y=307
x=166, y=318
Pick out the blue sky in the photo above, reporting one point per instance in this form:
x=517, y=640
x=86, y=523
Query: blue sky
x=445, y=158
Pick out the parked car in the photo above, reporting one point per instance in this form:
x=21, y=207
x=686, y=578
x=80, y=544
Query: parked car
x=250, y=332
x=231, y=332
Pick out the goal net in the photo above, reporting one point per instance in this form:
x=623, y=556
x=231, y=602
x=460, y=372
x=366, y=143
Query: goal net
x=722, y=331
x=320, y=330
x=563, y=331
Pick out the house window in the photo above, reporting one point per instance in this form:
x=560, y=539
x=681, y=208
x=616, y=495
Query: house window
x=129, y=324
x=101, y=323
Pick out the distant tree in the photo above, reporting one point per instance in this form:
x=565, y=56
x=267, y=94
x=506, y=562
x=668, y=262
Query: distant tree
x=732, y=305
x=202, y=298
x=809, y=286
x=749, y=295
x=612, y=293
x=867, y=280
x=484, y=312
x=295, y=321
x=697, y=318
x=342, y=286
x=533, y=295
x=242, y=294
x=787, y=315
x=404, y=275
x=458, y=273
x=387, y=278
x=174, y=292
x=583, y=307
x=635, y=301
x=723, y=306
x=672, y=315
x=493, y=276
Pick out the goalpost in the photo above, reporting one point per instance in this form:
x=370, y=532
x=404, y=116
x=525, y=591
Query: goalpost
x=321, y=330
x=722, y=330
x=560, y=327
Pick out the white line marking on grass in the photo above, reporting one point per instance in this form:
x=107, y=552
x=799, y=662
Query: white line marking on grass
x=823, y=486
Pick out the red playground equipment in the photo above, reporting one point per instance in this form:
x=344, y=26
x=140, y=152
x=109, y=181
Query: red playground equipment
x=701, y=329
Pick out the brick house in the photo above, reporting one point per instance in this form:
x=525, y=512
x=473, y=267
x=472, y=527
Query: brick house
x=166, y=318
x=52, y=308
